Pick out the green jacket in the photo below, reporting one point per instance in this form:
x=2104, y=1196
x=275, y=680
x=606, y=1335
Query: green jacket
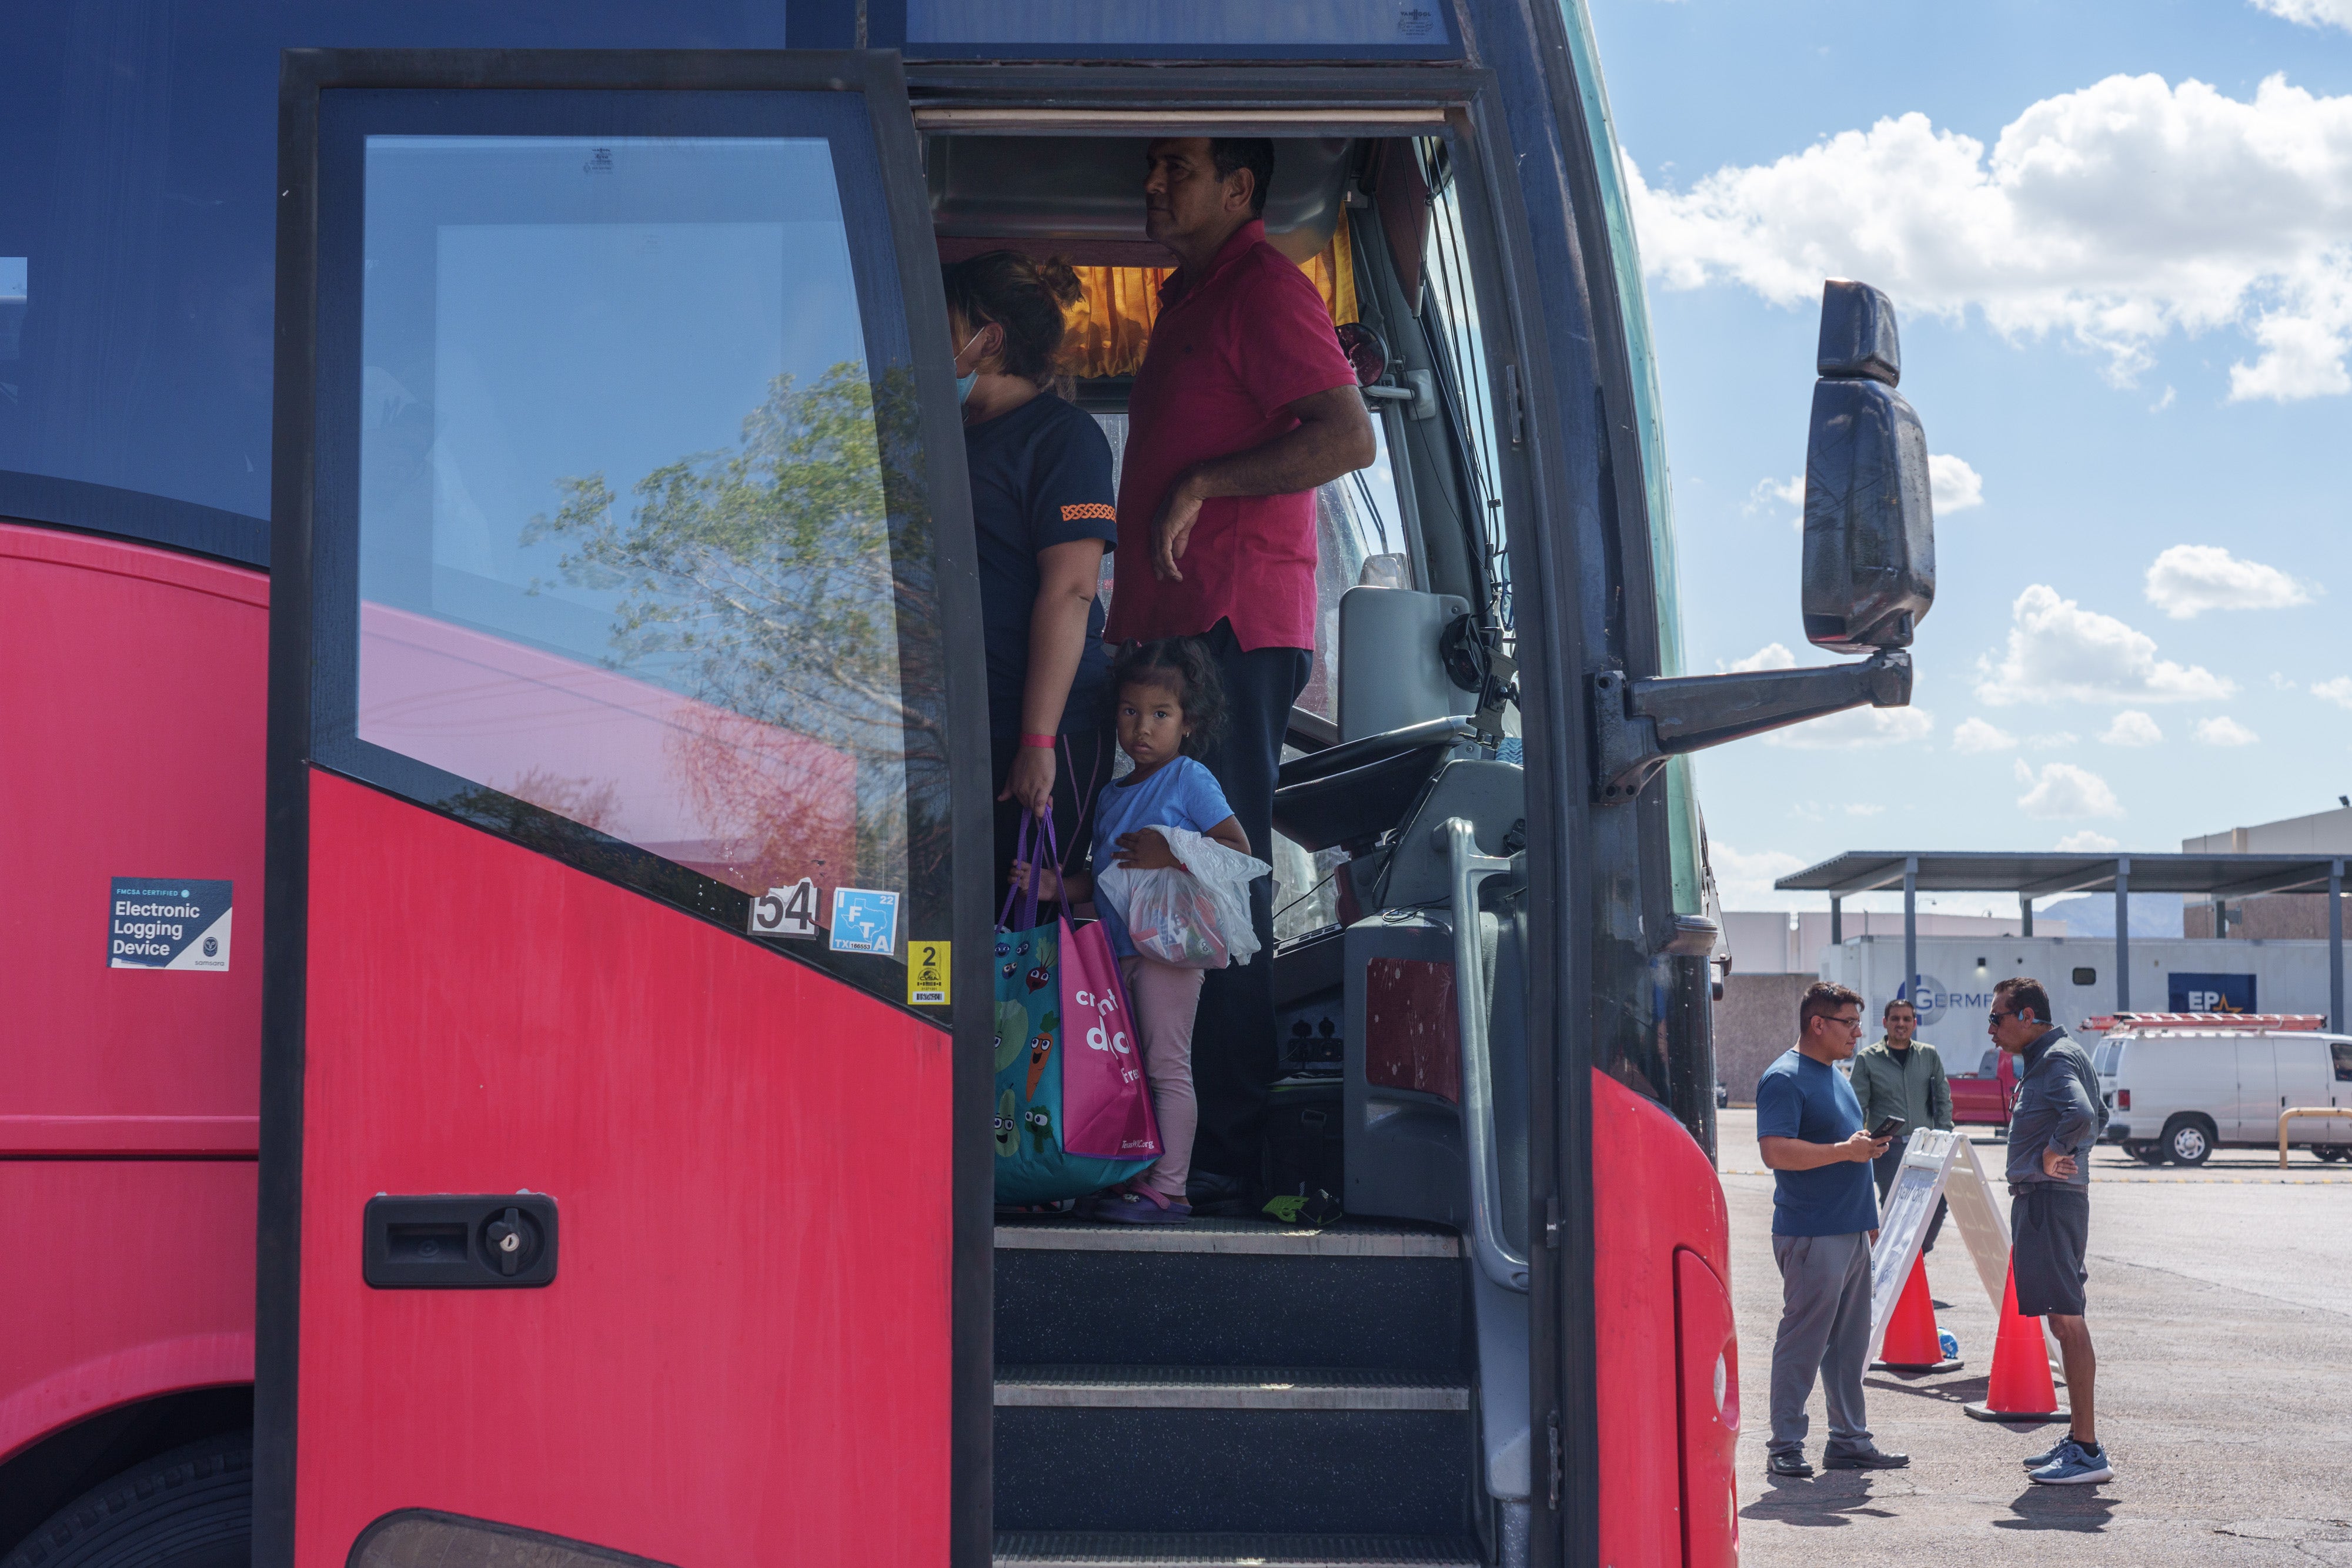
x=1914, y=1090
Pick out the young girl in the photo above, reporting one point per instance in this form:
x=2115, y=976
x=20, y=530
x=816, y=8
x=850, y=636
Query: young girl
x=1166, y=710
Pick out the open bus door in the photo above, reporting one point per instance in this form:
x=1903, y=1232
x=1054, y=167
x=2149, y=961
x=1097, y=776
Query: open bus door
x=620, y=527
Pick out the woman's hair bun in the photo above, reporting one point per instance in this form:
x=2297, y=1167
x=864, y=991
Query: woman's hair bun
x=1060, y=279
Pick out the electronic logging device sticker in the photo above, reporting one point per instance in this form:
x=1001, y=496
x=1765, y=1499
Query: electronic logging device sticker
x=167, y=923
x=865, y=921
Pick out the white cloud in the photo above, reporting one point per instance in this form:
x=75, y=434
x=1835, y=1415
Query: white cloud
x=2311, y=12
x=1745, y=881
x=2223, y=730
x=2064, y=792
x=2280, y=683
x=1952, y=485
x=2119, y=212
x=1790, y=492
x=2337, y=691
x=2089, y=842
x=2132, y=727
x=1857, y=729
x=2052, y=740
x=2190, y=578
x=1976, y=735
x=2060, y=652
x=2161, y=404
x=1859, y=810
x=1770, y=656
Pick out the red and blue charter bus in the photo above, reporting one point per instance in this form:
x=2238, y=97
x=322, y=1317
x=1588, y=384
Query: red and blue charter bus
x=488, y=625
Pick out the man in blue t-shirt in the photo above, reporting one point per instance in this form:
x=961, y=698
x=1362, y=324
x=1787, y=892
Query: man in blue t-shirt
x=1824, y=1218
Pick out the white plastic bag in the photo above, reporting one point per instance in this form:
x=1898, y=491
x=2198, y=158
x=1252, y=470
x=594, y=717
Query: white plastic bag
x=1196, y=917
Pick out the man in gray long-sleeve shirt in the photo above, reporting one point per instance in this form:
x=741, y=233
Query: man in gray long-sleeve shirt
x=2059, y=1116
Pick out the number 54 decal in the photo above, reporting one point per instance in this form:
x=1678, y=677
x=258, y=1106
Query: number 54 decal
x=785, y=911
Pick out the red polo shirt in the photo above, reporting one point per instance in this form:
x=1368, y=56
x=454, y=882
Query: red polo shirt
x=1227, y=357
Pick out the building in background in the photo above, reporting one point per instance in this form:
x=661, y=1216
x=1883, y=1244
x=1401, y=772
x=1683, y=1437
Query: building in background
x=2278, y=915
x=1776, y=952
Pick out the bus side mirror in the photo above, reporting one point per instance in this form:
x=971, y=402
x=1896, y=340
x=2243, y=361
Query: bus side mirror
x=1869, y=573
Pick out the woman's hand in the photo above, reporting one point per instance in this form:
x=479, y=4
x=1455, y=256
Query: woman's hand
x=1145, y=850
x=1030, y=779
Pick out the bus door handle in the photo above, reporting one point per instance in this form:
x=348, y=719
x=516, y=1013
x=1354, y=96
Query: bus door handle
x=451, y=1243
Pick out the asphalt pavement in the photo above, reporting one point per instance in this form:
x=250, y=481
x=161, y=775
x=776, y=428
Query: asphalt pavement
x=2221, y=1304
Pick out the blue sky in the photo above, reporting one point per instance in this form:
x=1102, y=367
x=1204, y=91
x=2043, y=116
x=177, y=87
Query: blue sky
x=2120, y=241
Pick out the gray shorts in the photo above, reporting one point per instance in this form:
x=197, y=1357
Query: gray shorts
x=2049, y=1232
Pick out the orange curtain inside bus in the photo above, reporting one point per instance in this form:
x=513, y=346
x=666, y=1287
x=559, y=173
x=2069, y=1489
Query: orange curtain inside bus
x=1106, y=329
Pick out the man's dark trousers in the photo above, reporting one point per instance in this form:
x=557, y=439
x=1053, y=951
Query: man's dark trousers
x=1234, y=1053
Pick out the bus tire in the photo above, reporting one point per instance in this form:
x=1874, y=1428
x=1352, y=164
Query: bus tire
x=2188, y=1140
x=192, y=1508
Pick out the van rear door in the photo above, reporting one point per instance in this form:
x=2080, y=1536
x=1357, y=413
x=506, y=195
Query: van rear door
x=2305, y=1079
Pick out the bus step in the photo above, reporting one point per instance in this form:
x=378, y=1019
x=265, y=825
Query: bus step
x=1078, y=1549
x=1121, y=1297
x=1194, y=1468
x=1224, y=1388
x=1232, y=1238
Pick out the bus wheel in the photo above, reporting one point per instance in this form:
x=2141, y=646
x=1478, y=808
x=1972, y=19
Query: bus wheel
x=192, y=1508
x=2331, y=1152
x=2188, y=1140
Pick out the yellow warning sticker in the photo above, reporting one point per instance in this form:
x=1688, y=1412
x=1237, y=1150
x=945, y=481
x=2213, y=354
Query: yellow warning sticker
x=927, y=974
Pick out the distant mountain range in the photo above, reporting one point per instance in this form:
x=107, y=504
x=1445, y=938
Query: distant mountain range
x=2094, y=914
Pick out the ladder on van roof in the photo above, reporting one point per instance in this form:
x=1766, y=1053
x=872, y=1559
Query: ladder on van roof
x=2283, y=1023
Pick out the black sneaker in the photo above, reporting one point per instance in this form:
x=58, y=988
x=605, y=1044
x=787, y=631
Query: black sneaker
x=1792, y=1465
x=1867, y=1459
x=1208, y=1192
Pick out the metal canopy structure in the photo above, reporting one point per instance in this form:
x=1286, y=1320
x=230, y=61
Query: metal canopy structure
x=2218, y=878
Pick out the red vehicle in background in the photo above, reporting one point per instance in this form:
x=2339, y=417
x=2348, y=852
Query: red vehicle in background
x=1983, y=1097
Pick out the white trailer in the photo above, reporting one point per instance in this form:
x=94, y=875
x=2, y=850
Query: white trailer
x=1953, y=989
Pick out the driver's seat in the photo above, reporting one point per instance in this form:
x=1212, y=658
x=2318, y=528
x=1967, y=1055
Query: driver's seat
x=1400, y=720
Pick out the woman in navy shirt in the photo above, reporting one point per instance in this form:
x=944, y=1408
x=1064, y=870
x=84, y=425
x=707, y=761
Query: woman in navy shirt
x=1045, y=511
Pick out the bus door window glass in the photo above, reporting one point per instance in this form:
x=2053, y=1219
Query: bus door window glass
x=640, y=539
x=1463, y=372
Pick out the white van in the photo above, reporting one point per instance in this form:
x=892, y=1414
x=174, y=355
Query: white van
x=2177, y=1094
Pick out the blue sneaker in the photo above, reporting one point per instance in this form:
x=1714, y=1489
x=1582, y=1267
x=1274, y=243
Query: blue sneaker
x=2050, y=1455
x=2074, y=1467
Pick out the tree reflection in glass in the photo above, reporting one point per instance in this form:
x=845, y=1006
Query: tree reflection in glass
x=787, y=586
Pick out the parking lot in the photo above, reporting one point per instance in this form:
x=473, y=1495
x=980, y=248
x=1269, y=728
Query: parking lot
x=2221, y=1299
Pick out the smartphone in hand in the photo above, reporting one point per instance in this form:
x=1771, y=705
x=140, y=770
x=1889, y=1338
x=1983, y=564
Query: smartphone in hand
x=1891, y=1128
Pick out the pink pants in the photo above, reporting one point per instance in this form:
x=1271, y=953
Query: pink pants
x=1164, y=998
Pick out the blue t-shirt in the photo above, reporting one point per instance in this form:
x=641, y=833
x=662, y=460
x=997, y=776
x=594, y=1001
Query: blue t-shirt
x=1180, y=794
x=1800, y=1098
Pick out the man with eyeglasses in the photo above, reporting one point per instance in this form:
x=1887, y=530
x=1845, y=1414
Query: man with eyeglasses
x=1824, y=1215
x=2059, y=1116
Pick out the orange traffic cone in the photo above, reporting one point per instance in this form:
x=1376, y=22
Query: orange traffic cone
x=1912, y=1344
x=2019, y=1388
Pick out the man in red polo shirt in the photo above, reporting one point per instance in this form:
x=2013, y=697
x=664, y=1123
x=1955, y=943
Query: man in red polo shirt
x=1244, y=405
